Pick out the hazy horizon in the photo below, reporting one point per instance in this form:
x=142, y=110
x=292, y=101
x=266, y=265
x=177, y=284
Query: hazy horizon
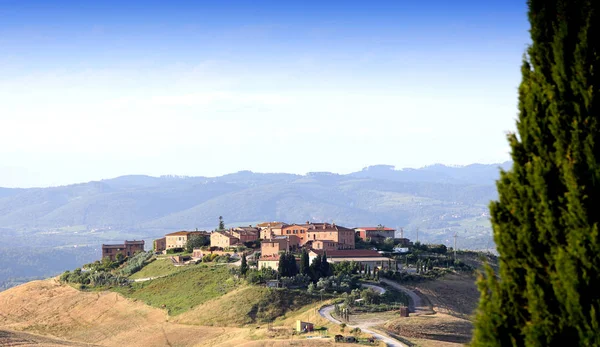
x=257, y=172
x=96, y=90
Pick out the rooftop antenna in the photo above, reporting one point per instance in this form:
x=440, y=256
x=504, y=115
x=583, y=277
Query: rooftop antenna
x=417, y=234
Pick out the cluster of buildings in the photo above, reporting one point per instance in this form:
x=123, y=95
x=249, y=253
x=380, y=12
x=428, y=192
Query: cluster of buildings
x=336, y=241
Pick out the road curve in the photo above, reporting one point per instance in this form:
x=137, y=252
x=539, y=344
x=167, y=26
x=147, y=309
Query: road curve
x=416, y=303
x=325, y=312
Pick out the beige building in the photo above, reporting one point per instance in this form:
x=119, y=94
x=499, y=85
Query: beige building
x=179, y=239
x=278, y=244
x=223, y=239
x=160, y=244
x=245, y=234
x=270, y=229
x=324, y=245
x=269, y=262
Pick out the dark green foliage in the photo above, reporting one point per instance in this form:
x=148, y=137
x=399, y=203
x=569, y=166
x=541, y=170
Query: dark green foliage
x=315, y=268
x=287, y=265
x=175, y=250
x=546, y=219
x=325, y=270
x=260, y=276
x=244, y=266
x=304, y=266
x=196, y=241
x=221, y=224
x=345, y=268
x=135, y=263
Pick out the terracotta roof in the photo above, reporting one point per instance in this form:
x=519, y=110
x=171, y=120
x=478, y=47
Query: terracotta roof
x=225, y=234
x=183, y=232
x=344, y=253
x=273, y=224
x=374, y=229
x=269, y=257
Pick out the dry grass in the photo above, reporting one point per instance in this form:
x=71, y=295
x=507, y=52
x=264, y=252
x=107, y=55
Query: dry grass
x=68, y=317
x=17, y=338
x=103, y=318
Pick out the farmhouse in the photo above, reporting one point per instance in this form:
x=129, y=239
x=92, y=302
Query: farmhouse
x=179, y=239
x=160, y=244
x=324, y=245
x=245, y=234
x=223, y=239
x=379, y=233
x=127, y=249
x=362, y=256
x=271, y=261
x=278, y=244
x=270, y=229
x=344, y=237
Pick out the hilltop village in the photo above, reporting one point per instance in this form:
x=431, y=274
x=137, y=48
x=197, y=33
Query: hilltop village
x=268, y=241
x=273, y=281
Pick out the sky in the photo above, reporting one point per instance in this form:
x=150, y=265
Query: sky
x=98, y=89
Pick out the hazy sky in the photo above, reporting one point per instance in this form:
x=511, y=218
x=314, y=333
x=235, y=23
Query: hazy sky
x=107, y=88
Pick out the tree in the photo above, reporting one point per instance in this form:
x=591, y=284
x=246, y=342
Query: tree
x=244, y=265
x=325, y=270
x=546, y=218
x=315, y=268
x=196, y=241
x=221, y=224
x=304, y=266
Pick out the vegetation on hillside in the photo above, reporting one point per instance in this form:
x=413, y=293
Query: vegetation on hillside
x=546, y=219
x=183, y=290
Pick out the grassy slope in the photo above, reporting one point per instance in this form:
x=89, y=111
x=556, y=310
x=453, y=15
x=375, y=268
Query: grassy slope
x=183, y=290
x=157, y=268
x=247, y=305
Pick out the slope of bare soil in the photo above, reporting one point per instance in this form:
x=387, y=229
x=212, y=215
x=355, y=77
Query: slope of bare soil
x=103, y=318
x=17, y=338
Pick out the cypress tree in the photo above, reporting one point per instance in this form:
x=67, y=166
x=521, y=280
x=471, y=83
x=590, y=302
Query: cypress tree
x=546, y=219
x=315, y=268
x=304, y=266
x=324, y=266
x=292, y=267
x=244, y=265
x=281, y=267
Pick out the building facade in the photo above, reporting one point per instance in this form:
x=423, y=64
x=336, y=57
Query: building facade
x=381, y=233
x=245, y=234
x=223, y=239
x=270, y=229
x=160, y=244
x=127, y=249
x=179, y=239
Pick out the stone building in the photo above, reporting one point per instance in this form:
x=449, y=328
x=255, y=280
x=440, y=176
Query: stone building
x=127, y=249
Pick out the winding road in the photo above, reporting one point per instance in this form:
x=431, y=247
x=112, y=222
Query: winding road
x=325, y=312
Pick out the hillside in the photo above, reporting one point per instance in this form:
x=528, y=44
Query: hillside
x=74, y=318
x=68, y=222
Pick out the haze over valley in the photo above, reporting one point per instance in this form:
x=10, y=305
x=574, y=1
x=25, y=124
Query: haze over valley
x=49, y=230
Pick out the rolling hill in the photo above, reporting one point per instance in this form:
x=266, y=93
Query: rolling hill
x=73, y=221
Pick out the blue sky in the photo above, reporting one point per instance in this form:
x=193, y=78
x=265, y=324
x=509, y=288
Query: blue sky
x=96, y=89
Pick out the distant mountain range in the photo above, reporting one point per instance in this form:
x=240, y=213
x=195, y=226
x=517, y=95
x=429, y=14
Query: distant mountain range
x=437, y=200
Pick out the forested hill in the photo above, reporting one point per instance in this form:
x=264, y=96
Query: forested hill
x=438, y=200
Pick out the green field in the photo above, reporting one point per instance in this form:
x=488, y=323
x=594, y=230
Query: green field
x=247, y=305
x=159, y=267
x=183, y=290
